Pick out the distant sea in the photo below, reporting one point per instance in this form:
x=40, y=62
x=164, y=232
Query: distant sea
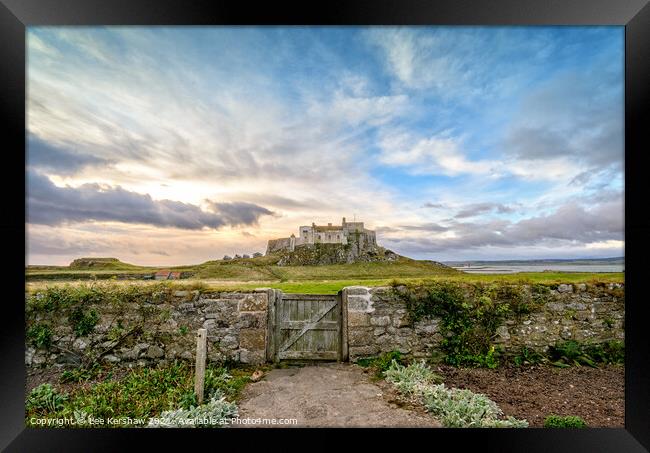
x=507, y=267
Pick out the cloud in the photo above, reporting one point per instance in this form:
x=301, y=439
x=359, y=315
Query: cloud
x=238, y=213
x=573, y=116
x=55, y=159
x=439, y=154
x=570, y=224
x=475, y=209
x=434, y=205
x=49, y=204
x=431, y=227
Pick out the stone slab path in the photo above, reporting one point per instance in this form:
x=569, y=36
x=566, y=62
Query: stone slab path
x=328, y=395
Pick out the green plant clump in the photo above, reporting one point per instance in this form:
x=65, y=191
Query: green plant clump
x=83, y=322
x=528, y=357
x=214, y=414
x=571, y=352
x=382, y=363
x=40, y=335
x=569, y=421
x=45, y=398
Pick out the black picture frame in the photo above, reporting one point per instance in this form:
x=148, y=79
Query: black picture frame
x=16, y=15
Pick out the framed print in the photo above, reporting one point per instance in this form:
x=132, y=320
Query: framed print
x=424, y=216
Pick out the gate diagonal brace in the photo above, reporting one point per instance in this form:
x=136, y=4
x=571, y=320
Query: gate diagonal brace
x=309, y=325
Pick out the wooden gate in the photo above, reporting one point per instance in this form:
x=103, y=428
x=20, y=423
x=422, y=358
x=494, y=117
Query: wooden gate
x=307, y=327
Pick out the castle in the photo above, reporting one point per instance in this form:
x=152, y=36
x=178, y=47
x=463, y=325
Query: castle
x=346, y=233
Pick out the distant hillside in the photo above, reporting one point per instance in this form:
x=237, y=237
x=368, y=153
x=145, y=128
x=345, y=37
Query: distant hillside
x=101, y=264
x=263, y=268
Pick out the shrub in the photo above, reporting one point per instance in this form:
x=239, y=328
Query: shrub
x=528, y=357
x=40, y=335
x=83, y=322
x=45, y=398
x=216, y=413
x=609, y=352
x=571, y=352
x=558, y=421
x=456, y=408
x=408, y=379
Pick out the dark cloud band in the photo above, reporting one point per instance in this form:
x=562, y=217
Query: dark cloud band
x=48, y=204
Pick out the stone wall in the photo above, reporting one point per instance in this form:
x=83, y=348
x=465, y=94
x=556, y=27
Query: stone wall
x=160, y=329
x=378, y=321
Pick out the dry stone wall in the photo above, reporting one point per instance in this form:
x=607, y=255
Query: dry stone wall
x=155, y=330
x=378, y=321
x=161, y=329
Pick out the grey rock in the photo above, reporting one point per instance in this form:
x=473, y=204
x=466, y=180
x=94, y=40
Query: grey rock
x=186, y=307
x=79, y=344
x=111, y=358
x=29, y=356
x=380, y=320
x=155, y=352
x=503, y=333
x=564, y=288
x=357, y=290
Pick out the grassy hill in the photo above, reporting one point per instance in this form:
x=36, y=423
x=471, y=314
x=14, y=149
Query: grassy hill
x=262, y=268
x=249, y=273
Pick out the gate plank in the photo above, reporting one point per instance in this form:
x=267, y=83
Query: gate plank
x=308, y=325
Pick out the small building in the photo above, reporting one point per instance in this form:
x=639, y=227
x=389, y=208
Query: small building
x=162, y=274
x=174, y=275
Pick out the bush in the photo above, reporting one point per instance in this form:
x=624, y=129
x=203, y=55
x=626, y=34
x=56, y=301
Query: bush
x=216, y=413
x=456, y=408
x=40, y=335
x=408, y=379
x=571, y=352
x=558, y=421
x=83, y=322
x=528, y=356
x=45, y=398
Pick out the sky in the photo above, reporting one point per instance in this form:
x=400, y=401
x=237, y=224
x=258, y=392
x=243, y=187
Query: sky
x=178, y=145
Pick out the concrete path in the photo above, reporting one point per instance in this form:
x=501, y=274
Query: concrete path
x=328, y=395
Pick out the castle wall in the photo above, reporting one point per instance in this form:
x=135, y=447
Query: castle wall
x=349, y=233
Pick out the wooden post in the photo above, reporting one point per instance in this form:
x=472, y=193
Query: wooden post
x=343, y=301
x=199, y=377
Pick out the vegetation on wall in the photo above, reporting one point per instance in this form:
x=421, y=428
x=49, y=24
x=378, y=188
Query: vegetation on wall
x=40, y=335
x=469, y=315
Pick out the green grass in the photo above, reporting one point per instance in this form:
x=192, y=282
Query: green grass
x=332, y=286
x=259, y=272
